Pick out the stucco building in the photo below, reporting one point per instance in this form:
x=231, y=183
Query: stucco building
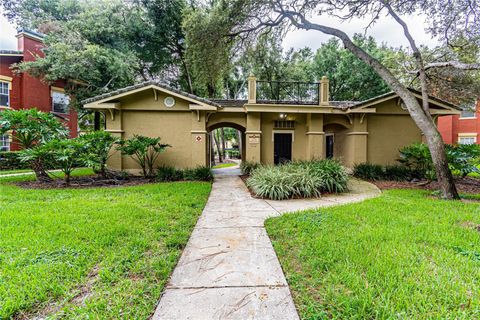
x=22, y=91
x=463, y=128
x=279, y=121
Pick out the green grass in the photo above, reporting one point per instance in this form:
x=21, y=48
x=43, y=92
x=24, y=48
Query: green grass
x=2, y=172
x=103, y=253
x=400, y=256
x=224, y=165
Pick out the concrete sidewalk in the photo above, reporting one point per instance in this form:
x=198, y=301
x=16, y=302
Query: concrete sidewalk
x=229, y=269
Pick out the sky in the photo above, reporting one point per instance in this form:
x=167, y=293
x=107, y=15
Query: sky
x=386, y=30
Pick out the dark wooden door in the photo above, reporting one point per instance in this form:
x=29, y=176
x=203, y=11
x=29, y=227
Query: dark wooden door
x=282, y=148
x=329, y=147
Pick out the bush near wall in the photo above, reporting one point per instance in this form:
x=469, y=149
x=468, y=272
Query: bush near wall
x=170, y=174
x=375, y=172
x=303, y=179
x=9, y=161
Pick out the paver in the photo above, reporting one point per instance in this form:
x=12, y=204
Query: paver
x=229, y=269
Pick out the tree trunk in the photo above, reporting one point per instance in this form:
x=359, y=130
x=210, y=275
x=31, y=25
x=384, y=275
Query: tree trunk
x=420, y=116
x=222, y=136
x=239, y=140
x=215, y=137
x=67, y=179
x=40, y=172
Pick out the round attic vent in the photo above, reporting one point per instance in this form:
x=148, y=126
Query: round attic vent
x=169, y=102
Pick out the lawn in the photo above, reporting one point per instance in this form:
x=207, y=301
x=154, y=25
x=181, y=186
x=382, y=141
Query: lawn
x=402, y=255
x=92, y=253
x=224, y=165
x=2, y=172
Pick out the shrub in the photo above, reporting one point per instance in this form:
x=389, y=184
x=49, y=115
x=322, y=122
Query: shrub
x=368, y=171
x=247, y=167
x=97, y=150
x=463, y=159
x=9, y=160
x=144, y=150
x=168, y=174
x=398, y=173
x=298, y=179
x=198, y=174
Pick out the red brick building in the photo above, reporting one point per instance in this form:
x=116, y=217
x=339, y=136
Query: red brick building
x=22, y=91
x=463, y=129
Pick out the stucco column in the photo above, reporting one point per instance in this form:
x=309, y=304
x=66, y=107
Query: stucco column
x=356, y=140
x=198, y=140
x=114, y=125
x=253, y=139
x=315, y=136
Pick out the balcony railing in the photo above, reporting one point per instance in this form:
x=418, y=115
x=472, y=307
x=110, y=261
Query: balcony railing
x=279, y=92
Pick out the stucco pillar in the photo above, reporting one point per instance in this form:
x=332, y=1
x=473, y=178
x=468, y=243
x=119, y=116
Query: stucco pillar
x=356, y=140
x=252, y=89
x=315, y=136
x=253, y=139
x=114, y=125
x=198, y=140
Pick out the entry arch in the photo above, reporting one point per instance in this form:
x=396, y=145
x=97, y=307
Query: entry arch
x=225, y=124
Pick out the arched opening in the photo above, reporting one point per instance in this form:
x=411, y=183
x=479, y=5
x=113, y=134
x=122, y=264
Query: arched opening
x=225, y=144
x=335, y=140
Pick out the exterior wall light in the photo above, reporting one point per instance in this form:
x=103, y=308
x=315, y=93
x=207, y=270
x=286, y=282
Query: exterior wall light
x=283, y=116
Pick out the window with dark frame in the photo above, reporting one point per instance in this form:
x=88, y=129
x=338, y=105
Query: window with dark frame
x=4, y=94
x=60, y=102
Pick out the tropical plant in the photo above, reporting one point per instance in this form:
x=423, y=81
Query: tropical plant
x=30, y=129
x=97, y=150
x=417, y=157
x=464, y=158
x=298, y=179
x=143, y=150
x=247, y=167
x=65, y=154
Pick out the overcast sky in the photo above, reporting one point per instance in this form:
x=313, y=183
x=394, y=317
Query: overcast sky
x=386, y=30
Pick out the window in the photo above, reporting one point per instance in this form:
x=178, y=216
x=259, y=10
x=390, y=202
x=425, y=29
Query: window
x=60, y=102
x=467, y=140
x=4, y=142
x=467, y=112
x=4, y=94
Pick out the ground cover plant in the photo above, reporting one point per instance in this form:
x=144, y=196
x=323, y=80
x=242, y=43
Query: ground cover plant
x=304, y=179
x=168, y=173
x=102, y=253
x=417, y=260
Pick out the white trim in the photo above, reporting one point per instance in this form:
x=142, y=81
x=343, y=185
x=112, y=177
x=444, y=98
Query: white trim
x=315, y=133
x=468, y=134
x=292, y=132
x=253, y=132
x=357, y=133
x=468, y=118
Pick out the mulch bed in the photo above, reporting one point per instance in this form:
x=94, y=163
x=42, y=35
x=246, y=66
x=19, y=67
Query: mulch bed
x=85, y=182
x=464, y=185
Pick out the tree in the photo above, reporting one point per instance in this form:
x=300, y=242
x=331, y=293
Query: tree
x=144, y=150
x=31, y=129
x=350, y=78
x=447, y=20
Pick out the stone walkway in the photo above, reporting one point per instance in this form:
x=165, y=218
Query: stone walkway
x=229, y=269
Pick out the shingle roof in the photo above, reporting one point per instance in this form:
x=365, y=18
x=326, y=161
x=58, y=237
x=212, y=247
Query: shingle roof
x=146, y=84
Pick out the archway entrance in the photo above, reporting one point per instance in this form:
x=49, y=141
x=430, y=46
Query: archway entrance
x=225, y=143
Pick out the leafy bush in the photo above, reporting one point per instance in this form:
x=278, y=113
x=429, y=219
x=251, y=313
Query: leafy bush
x=9, y=160
x=298, y=179
x=418, y=158
x=399, y=173
x=168, y=174
x=247, y=167
x=97, y=150
x=198, y=174
x=463, y=158
x=368, y=171
x=144, y=150
x=31, y=129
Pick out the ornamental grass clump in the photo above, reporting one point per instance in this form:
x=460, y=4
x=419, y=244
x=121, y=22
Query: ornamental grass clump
x=303, y=179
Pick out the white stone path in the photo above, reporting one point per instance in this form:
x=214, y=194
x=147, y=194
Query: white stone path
x=229, y=269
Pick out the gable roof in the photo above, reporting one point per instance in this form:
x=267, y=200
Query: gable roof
x=391, y=95
x=146, y=85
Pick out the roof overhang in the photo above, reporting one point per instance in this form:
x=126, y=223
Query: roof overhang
x=111, y=101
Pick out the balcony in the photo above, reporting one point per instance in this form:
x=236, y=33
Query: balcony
x=282, y=92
